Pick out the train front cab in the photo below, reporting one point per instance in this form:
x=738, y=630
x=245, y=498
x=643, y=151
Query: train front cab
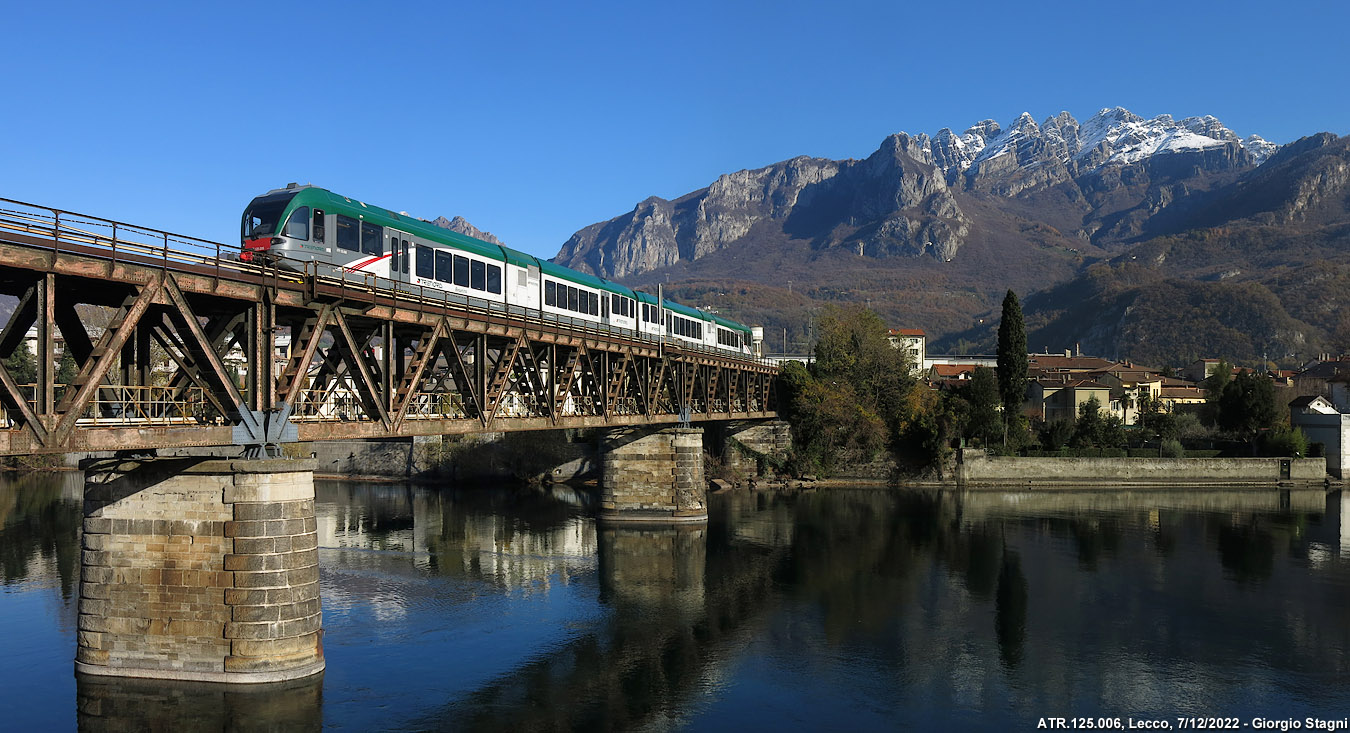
x=276, y=225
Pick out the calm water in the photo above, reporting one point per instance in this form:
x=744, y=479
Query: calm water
x=839, y=610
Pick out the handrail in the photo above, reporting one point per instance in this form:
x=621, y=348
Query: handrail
x=154, y=244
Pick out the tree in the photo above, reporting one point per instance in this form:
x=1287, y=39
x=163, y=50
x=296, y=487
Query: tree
x=66, y=368
x=1247, y=405
x=66, y=371
x=983, y=395
x=1012, y=358
x=1156, y=419
x=1097, y=430
x=857, y=396
x=21, y=365
x=1214, y=384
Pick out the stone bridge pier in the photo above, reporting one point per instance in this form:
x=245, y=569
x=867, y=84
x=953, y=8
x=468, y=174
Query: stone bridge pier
x=653, y=475
x=200, y=569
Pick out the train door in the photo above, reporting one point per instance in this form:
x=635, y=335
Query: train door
x=399, y=249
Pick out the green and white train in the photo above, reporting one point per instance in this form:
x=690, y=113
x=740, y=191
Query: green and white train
x=307, y=223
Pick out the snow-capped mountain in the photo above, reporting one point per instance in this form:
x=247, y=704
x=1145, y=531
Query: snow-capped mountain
x=1100, y=182
x=1112, y=136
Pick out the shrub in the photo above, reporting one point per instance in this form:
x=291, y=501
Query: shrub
x=1172, y=449
x=1284, y=441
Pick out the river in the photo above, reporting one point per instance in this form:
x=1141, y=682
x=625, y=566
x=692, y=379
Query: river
x=848, y=610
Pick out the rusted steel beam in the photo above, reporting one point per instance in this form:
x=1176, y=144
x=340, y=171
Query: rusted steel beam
x=365, y=383
x=46, y=344
x=16, y=402
x=304, y=344
x=426, y=353
x=213, y=365
x=501, y=379
x=101, y=359
x=86, y=439
x=174, y=347
x=23, y=317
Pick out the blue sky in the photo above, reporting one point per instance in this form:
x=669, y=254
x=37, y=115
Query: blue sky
x=535, y=119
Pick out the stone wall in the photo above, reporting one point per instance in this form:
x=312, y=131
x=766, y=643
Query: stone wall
x=976, y=469
x=466, y=459
x=200, y=569
x=770, y=438
x=653, y=475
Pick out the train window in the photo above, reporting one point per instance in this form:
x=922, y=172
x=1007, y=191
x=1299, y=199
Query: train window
x=393, y=253
x=348, y=234
x=595, y=304
x=604, y=307
x=494, y=279
x=572, y=303
x=372, y=238
x=444, y=267
x=318, y=226
x=297, y=227
x=426, y=262
x=404, y=260
x=462, y=271
x=478, y=275
x=550, y=293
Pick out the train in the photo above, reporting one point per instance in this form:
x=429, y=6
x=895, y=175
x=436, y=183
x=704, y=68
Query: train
x=345, y=236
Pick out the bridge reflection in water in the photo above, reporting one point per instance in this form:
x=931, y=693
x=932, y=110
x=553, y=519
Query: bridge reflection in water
x=858, y=609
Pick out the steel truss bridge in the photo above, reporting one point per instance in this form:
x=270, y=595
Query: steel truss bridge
x=175, y=342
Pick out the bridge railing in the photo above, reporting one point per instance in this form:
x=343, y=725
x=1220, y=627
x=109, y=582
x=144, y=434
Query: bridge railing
x=119, y=405
x=70, y=231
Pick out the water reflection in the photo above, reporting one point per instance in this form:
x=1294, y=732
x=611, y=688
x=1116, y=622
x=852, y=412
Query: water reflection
x=869, y=609
x=116, y=705
x=40, y=519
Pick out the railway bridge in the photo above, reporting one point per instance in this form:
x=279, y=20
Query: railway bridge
x=206, y=569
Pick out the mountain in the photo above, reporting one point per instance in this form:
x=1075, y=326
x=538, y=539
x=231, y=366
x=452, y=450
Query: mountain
x=462, y=226
x=1259, y=270
x=1101, y=180
x=930, y=231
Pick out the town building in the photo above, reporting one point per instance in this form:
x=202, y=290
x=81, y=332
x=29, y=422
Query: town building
x=915, y=344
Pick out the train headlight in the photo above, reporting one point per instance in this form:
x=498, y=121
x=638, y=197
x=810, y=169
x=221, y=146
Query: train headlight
x=277, y=240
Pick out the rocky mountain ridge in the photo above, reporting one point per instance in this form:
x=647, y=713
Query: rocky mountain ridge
x=913, y=197
x=461, y=225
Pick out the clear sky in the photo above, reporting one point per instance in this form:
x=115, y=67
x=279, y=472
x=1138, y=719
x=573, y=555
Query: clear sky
x=535, y=119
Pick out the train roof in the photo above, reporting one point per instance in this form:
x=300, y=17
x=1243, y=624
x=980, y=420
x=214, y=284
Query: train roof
x=581, y=278
x=314, y=196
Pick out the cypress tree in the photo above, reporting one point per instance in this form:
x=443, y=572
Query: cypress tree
x=1012, y=358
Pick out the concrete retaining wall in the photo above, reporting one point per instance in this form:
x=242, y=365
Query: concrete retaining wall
x=976, y=469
